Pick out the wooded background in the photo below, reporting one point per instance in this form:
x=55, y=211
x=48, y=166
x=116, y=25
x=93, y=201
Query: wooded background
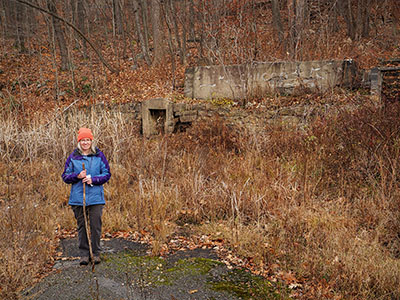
x=117, y=35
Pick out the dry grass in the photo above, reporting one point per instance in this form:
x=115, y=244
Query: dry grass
x=322, y=201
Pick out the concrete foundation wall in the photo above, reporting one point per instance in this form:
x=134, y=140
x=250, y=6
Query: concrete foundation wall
x=183, y=115
x=387, y=77
x=160, y=116
x=242, y=81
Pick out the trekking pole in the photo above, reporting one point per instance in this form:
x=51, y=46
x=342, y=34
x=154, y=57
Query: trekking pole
x=86, y=222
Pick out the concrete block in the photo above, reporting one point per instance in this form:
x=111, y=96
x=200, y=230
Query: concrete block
x=188, y=118
x=157, y=117
x=178, y=107
x=241, y=81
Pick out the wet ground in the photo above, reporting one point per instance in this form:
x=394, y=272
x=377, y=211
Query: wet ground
x=126, y=272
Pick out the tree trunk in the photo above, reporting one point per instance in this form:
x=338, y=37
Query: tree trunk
x=291, y=29
x=117, y=17
x=396, y=12
x=184, y=33
x=296, y=27
x=171, y=47
x=59, y=35
x=157, y=32
x=144, y=11
x=299, y=28
x=172, y=19
x=21, y=32
x=277, y=20
x=139, y=31
x=14, y=16
x=80, y=24
x=9, y=19
x=254, y=31
x=347, y=13
x=333, y=18
x=31, y=22
x=192, y=21
x=363, y=18
x=3, y=17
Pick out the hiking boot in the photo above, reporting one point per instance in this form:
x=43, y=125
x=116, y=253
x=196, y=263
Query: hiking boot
x=96, y=260
x=84, y=261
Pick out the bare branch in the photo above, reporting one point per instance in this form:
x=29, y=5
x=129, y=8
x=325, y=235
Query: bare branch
x=74, y=28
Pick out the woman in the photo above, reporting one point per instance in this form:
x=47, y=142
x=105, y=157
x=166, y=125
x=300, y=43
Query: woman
x=93, y=175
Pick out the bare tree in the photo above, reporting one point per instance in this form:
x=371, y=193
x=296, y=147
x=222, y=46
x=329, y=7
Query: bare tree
x=30, y=4
x=117, y=17
x=296, y=24
x=80, y=23
x=59, y=35
x=192, y=20
x=299, y=28
x=157, y=32
x=176, y=23
x=20, y=27
x=347, y=12
x=363, y=18
x=171, y=46
x=144, y=11
x=277, y=20
x=137, y=12
x=357, y=23
x=333, y=14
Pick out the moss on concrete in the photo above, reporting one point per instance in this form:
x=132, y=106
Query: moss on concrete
x=156, y=271
x=245, y=285
x=193, y=266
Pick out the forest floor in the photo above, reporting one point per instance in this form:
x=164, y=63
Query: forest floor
x=128, y=271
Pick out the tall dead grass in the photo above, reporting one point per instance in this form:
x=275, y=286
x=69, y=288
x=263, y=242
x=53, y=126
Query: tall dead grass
x=322, y=201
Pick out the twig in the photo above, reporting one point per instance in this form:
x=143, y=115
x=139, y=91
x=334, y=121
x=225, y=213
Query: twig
x=59, y=113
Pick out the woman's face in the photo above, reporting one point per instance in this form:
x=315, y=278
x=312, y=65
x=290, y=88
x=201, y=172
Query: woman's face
x=85, y=143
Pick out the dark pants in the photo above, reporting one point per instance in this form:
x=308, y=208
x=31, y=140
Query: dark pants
x=93, y=214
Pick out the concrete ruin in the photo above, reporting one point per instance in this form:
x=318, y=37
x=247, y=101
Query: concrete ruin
x=256, y=79
x=385, y=81
x=157, y=117
x=160, y=116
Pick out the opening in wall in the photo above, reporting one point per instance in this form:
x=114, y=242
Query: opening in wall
x=157, y=120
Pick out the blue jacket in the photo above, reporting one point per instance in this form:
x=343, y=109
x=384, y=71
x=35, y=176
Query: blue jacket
x=97, y=166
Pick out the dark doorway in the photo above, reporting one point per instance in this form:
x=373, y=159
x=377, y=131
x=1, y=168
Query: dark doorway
x=157, y=119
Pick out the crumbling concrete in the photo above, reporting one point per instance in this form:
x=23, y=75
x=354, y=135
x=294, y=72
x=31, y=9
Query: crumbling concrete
x=384, y=81
x=257, y=79
x=182, y=115
x=157, y=117
x=160, y=116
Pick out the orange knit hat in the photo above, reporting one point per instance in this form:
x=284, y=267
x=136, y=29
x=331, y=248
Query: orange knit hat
x=84, y=133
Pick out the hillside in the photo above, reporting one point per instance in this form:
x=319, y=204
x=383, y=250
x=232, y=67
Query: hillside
x=32, y=78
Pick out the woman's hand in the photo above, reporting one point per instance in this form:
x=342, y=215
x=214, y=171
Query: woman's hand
x=82, y=174
x=87, y=180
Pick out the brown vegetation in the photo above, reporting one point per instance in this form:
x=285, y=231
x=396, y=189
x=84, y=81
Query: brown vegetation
x=318, y=207
x=321, y=203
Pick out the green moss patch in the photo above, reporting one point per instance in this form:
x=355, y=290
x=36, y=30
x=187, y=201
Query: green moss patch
x=146, y=269
x=193, y=266
x=245, y=285
x=208, y=273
